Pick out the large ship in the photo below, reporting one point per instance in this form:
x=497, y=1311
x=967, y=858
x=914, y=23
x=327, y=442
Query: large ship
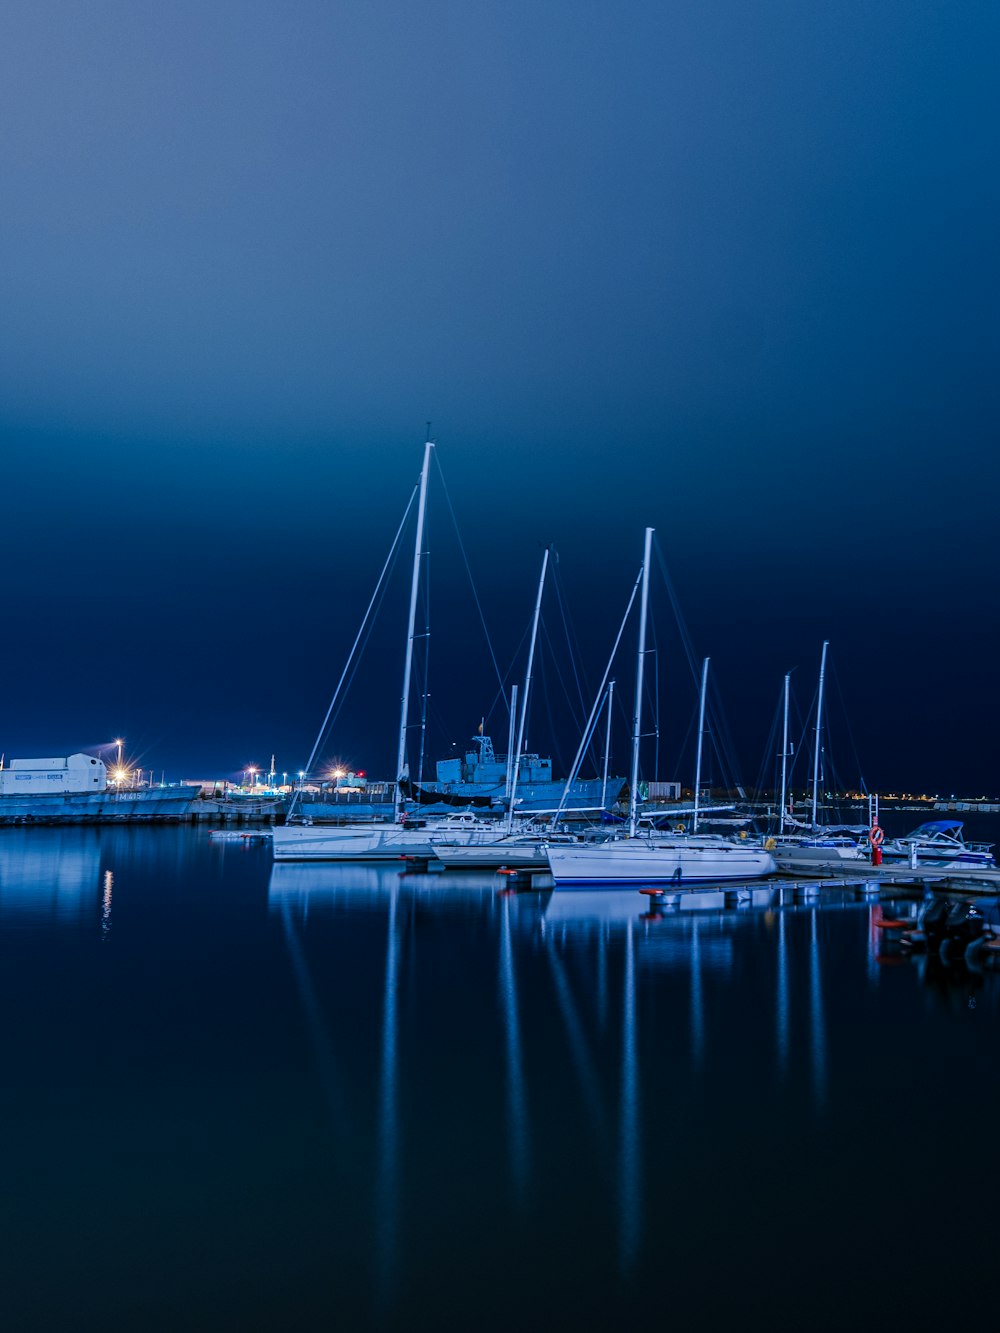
x=480, y=777
x=476, y=781
x=74, y=790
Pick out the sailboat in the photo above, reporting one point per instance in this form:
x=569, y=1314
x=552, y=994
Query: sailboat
x=815, y=846
x=652, y=857
x=305, y=841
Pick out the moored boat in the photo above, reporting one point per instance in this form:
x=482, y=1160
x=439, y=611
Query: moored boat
x=659, y=859
x=940, y=843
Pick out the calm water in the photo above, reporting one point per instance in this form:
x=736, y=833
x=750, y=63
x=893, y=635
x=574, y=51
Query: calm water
x=241, y=1097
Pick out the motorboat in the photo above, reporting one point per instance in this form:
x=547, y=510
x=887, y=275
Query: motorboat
x=940, y=843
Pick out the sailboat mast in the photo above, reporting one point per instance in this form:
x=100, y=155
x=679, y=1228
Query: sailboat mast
x=640, y=663
x=527, y=688
x=510, y=741
x=784, y=760
x=819, y=732
x=701, y=740
x=414, y=589
x=607, y=746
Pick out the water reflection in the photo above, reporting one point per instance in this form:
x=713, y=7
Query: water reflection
x=583, y=1061
x=52, y=875
x=817, y=1022
x=109, y=883
x=517, y=1129
x=593, y=954
x=782, y=1010
x=387, y=1183
x=697, y=1000
x=319, y=1035
x=629, y=1181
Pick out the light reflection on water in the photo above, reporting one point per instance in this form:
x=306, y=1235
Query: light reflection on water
x=350, y=1093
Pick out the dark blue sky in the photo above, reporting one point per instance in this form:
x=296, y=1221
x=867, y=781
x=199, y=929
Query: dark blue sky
x=727, y=268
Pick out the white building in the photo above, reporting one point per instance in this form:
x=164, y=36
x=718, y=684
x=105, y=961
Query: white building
x=35, y=777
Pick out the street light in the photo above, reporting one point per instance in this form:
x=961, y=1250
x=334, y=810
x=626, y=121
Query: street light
x=118, y=761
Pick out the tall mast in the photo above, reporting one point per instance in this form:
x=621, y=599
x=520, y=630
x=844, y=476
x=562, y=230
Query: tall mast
x=637, y=715
x=819, y=731
x=414, y=588
x=784, y=760
x=510, y=741
x=527, y=688
x=607, y=746
x=701, y=738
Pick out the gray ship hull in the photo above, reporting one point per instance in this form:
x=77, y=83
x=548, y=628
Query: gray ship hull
x=144, y=805
x=534, y=798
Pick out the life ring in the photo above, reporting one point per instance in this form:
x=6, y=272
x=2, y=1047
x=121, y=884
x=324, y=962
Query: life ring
x=678, y=828
x=875, y=836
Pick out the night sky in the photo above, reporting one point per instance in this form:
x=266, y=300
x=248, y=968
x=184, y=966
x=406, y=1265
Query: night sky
x=727, y=268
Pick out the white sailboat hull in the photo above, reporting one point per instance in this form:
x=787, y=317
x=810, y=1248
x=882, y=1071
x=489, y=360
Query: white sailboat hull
x=815, y=852
x=512, y=855
x=374, y=842
x=653, y=861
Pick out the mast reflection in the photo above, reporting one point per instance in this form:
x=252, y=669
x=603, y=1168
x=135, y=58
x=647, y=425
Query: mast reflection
x=582, y=1059
x=517, y=1129
x=602, y=978
x=330, y=1080
x=697, y=1001
x=783, y=1004
x=817, y=1023
x=387, y=1179
x=628, y=1175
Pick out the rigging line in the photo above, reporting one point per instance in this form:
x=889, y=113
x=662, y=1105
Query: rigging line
x=554, y=666
x=426, y=651
x=721, y=742
x=800, y=724
x=378, y=587
x=685, y=636
x=334, y=713
x=468, y=570
x=579, y=675
x=682, y=752
x=652, y=692
x=722, y=737
x=547, y=638
x=770, y=761
x=356, y=666
x=579, y=657
x=850, y=732
x=502, y=692
x=573, y=656
x=597, y=701
x=543, y=677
